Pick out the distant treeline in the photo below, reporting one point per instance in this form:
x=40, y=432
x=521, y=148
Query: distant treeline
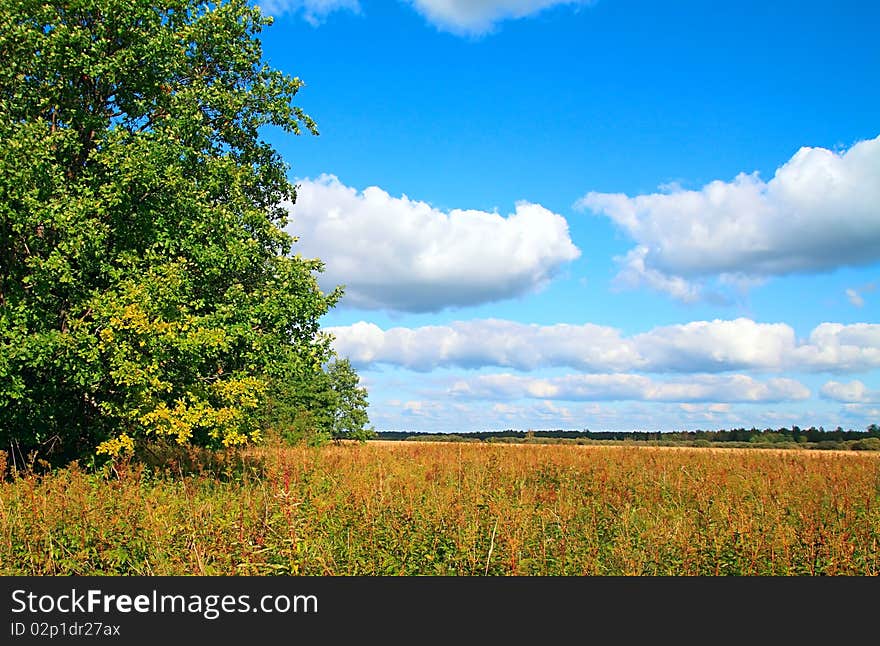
x=794, y=434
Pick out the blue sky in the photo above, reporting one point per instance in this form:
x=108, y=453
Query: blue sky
x=616, y=214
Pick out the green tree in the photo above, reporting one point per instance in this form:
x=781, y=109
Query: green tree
x=349, y=410
x=327, y=406
x=147, y=287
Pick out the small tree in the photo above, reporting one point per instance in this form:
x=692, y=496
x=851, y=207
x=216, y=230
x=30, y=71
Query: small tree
x=349, y=410
x=146, y=283
x=330, y=405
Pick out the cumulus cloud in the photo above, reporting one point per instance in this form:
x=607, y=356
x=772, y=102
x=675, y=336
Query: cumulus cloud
x=854, y=392
x=634, y=272
x=840, y=348
x=486, y=342
x=313, y=11
x=479, y=16
x=699, y=346
x=623, y=387
x=719, y=345
x=820, y=211
x=401, y=254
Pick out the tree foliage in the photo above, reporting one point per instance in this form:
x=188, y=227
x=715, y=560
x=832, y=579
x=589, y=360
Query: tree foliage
x=328, y=406
x=147, y=287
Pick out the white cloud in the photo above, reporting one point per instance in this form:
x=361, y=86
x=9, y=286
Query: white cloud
x=711, y=346
x=855, y=298
x=840, y=348
x=463, y=17
x=313, y=11
x=625, y=387
x=706, y=409
x=634, y=272
x=419, y=408
x=820, y=211
x=487, y=342
x=405, y=255
x=853, y=392
x=561, y=415
x=699, y=346
x=479, y=16
x=856, y=295
x=862, y=413
x=506, y=409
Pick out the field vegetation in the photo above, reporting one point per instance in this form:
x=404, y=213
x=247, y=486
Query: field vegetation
x=428, y=508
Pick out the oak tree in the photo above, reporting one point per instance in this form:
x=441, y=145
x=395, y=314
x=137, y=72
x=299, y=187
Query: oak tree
x=147, y=287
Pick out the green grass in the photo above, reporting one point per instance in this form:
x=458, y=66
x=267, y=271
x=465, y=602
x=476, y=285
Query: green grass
x=400, y=508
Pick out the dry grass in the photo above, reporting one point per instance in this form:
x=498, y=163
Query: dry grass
x=455, y=509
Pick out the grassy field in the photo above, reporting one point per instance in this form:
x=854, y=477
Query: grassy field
x=399, y=508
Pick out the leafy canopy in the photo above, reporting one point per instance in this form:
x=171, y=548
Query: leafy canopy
x=328, y=406
x=147, y=287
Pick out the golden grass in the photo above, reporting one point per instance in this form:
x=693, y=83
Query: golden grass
x=419, y=508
